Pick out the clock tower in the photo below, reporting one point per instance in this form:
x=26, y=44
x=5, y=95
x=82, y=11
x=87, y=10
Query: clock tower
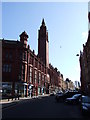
x=43, y=44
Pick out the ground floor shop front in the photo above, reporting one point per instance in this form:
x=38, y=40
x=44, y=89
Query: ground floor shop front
x=23, y=89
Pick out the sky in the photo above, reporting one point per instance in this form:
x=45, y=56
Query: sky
x=67, y=25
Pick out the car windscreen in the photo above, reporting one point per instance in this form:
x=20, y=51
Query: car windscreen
x=76, y=95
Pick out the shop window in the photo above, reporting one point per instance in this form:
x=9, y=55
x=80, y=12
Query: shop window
x=6, y=89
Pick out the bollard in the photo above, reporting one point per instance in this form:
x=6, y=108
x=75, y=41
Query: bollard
x=18, y=97
x=12, y=98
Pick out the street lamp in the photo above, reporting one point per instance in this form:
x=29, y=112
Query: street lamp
x=77, y=54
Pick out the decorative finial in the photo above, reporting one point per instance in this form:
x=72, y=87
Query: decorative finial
x=23, y=34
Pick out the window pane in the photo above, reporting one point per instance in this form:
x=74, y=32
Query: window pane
x=6, y=68
x=9, y=69
x=6, y=56
x=30, y=79
x=3, y=68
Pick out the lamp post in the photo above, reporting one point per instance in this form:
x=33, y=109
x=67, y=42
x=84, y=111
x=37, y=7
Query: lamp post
x=78, y=55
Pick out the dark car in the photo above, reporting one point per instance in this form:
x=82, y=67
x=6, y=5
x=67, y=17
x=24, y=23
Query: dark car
x=52, y=93
x=58, y=95
x=63, y=96
x=74, y=99
x=85, y=105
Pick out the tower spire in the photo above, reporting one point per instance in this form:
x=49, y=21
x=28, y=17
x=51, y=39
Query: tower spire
x=43, y=23
x=43, y=43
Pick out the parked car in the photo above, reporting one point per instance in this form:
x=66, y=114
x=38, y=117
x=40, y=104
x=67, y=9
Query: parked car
x=58, y=95
x=74, y=99
x=85, y=105
x=52, y=94
x=63, y=96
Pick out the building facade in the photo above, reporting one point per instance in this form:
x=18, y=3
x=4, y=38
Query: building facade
x=77, y=85
x=85, y=61
x=85, y=67
x=55, y=79
x=25, y=73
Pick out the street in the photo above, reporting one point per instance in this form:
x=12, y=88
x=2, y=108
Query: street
x=42, y=107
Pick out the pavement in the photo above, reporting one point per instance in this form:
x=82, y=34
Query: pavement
x=5, y=103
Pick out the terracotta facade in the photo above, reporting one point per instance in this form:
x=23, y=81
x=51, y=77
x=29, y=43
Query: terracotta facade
x=25, y=73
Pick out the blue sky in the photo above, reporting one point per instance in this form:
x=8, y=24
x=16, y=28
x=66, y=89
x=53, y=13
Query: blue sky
x=67, y=25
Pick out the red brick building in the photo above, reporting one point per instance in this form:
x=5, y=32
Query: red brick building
x=25, y=73
x=85, y=62
x=85, y=67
